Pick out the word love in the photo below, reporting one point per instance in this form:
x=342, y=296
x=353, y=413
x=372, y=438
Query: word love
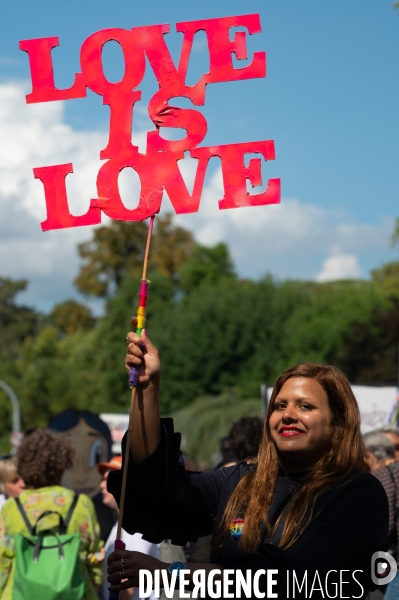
x=158, y=169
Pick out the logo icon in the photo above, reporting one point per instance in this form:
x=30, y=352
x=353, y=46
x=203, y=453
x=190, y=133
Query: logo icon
x=383, y=568
x=236, y=528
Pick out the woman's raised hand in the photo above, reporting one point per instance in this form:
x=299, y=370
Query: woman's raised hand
x=142, y=354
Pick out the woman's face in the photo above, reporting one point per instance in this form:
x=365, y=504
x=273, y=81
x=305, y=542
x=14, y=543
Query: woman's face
x=300, y=424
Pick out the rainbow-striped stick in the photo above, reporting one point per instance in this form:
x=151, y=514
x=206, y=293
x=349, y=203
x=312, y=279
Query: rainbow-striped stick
x=133, y=381
x=142, y=309
x=141, y=315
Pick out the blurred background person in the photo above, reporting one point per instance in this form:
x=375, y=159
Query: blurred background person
x=242, y=442
x=392, y=433
x=380, y=450
x=245, y=436
x=133, y=542
x=11, y=484
x=41, y=461
x=381, y=458
x=226, y=450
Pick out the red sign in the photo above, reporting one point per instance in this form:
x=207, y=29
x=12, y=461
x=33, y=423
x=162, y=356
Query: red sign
x=158, y=168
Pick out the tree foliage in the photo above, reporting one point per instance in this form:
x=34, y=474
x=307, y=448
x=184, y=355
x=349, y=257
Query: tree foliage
x=70, y=316
x=386, y=279
x=117, y=251
x=206, y=266
x=171, y=247
x=16, y=322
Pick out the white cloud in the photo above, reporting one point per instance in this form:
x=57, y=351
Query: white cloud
x=340, y=266
x=289, y=240
x=31, y=136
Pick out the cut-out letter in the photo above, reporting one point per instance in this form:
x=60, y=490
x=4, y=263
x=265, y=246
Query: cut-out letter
x=235, y=173
x=42, y=75
x=109, y=198
x=58, y=215
x=221, y=48
x=92, y=66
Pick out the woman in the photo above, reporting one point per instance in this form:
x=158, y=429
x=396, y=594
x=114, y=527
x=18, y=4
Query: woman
x=307, y=506
x=11, y=484
x=42, y=458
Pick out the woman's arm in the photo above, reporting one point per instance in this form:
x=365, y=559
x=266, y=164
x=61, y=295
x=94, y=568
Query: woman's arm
x=145, y=414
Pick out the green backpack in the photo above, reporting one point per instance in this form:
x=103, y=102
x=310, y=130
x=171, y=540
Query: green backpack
x=47, y=563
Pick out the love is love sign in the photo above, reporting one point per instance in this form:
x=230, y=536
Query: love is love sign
x=158, y=168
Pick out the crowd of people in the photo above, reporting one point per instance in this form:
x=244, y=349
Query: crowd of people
x=299, y=491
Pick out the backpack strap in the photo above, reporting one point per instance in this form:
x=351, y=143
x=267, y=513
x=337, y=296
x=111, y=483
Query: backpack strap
x=45, y=514
x=63, y=523
x=70, y=511
x=24, y=515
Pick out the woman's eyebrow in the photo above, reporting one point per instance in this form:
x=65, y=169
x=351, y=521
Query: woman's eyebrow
x=300, y=398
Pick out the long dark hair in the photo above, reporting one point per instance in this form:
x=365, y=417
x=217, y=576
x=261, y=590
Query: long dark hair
x=344, y=458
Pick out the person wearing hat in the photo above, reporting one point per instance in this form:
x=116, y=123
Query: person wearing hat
x=133, y=542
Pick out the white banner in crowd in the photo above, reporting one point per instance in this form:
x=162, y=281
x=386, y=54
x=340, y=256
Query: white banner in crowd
x=118, y=424
x=375, y=403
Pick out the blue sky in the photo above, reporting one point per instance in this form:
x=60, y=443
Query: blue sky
x=330, y=102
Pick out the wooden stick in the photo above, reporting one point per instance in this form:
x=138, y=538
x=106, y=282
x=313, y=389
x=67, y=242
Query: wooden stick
x=147, y=248
x=125, y=466
x=132, y=403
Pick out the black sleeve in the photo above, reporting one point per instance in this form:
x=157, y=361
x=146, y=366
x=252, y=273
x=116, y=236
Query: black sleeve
x=344, y=536
x=163, y=501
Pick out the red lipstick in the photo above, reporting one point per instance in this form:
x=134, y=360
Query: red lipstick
x=290, y=431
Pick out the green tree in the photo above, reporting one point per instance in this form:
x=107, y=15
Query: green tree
x=58, y=373
x=222, y=336
x=207, y=265
x=16, y=322
x=317, y=329
x=171, y=247
x=117, y=251
x=370, y=352
x=71, y=316
x=386, y=279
